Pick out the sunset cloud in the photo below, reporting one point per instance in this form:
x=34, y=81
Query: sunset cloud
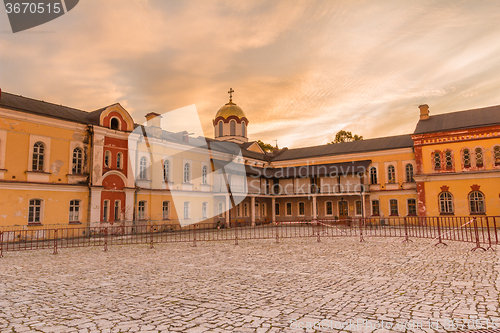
x=301, y=70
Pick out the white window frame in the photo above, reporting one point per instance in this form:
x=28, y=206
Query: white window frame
x=105, y=210
x=165, y=213
x=298, y=208
x=74, y=210
x=187, y=210
x=115, y=210
x=108, y=159
x=141, y=209
x=204, y=210
x=326, y=208
x=119, y=161
x=33, y=205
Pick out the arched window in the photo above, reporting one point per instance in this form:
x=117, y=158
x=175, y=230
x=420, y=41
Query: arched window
x=187, y=173
x=479, y=157
x=107, y=159
x=204, y=175
x=119, y=160
x=496, y=155
x=221, y=128
x=115, y=124
x=437, y=161
x=448, y=159
x=143, y=168
x=466, y=158
x=77, y=161
x=409, y=173
x=393, y=203
x=38, y=156
x=186, y=209
x=373, y=176
x=105, y=210
x=391, y=174
x=445, y=203
x=232, y=127
x=35, y=211
x=476, y=202
x=166, y=170
x=243, y=129
x=204, y=210
x=74, y=211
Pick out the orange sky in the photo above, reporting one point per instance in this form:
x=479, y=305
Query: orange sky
x=301, y=70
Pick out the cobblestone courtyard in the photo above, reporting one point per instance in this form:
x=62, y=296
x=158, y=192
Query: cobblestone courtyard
x=256, y=286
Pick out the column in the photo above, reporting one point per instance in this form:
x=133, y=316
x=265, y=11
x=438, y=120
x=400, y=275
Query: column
x=228, y=220
x=314, y=212
x=273, y=204
x=252, y=210
x=95, y=207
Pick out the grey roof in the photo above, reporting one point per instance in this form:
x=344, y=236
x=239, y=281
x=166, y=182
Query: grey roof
x=385, y=143
x=33, y=106
x=305, y=171
x=460, y=120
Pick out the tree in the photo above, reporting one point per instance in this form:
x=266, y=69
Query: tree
x=265, y=146
x=345, y=136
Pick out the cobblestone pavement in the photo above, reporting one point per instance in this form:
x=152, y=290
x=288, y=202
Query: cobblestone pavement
x=256, y=286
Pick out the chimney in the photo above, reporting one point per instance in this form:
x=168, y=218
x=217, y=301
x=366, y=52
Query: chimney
x=154, y=119
x=185, y=136
x=424, y=111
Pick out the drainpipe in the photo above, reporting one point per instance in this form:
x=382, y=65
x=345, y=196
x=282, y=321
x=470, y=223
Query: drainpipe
x=90, y=131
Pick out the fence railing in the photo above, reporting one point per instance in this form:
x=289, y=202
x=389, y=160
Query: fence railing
x=481, y=231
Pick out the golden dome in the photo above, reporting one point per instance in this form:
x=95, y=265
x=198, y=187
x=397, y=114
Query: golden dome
x=230, y=109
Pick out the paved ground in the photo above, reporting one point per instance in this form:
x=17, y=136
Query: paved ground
x=257, y=286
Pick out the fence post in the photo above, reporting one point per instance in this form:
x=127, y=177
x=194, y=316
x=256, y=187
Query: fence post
x=440, y=241
x=476, y=232
x=55, y=242
x=319, y=231
x=106, y=239
x=489, y=235
x=361, y=239
x=236, y=240
x=194, y=240
x=277, y=236
x=1, y=244
x=406, y=231
x=151, y=246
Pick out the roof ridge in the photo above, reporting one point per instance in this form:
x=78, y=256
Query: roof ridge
x=42, y=101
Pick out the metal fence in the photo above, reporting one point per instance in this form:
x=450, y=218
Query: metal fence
x=481, y=231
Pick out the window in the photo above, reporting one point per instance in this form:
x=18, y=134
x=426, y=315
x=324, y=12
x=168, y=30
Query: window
x=105, y=211
x=448, y=160
x=359, y=208
x=221, y=128
x=115, y=124
x=232, y=127
x=479, y=157
x=107, y=159
x=409, y=173
x=391, y=174
x=375, y=208
x=77, y=161
x=496, y=155
x=445, y=203
x=165, y=210
x=373, y=176
x=288, y=209
x=245, y=209
x=221, y=209
x=119, y=161
x=117, y=210
x=204, y=175
x=141, y=212
x=412, y=207
x=187, y=174
x=35, y=211
x=38, y=156
x=302, y=207
x=329, y=208
x=243, y=128
x=437, y=161
x=166, y=170
x=264, y=209
x=204, y=208
x=277, y=209
x=257, y=211
x=74, y=211
x=393, y=203
x=238, y=211
x=186, y=209
x=476, y=201
x=143, y=168
x=466, y=158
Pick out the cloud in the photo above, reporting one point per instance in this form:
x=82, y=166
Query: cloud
x=301, y=70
